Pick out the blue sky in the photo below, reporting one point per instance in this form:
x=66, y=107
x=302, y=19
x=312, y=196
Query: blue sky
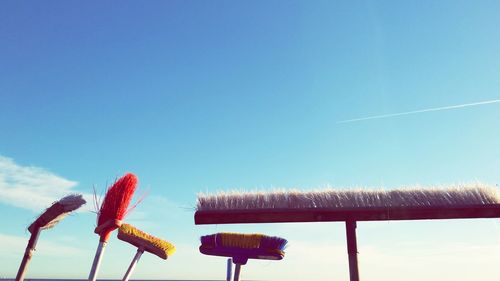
x=197, y=96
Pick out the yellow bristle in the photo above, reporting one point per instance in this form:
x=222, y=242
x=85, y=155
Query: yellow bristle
x=161, y=244
x=238, y=240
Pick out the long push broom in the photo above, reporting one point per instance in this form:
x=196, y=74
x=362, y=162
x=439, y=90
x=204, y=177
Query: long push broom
x=48, y=219
x=112, y=211
x=241, y=247
x=143, y=242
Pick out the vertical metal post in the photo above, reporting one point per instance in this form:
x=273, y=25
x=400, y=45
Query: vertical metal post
x=229, y=269
x=237, y=272
x=352, y=250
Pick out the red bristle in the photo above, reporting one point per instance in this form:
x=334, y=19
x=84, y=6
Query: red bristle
x=117, y=199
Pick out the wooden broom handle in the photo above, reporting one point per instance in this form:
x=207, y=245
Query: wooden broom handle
x=28, y=253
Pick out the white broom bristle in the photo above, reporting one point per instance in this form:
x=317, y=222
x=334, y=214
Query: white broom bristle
x=458, y=195
x=72, y=202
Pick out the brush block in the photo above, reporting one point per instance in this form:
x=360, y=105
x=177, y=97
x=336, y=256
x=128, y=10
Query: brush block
x=346, y=214
x=241, y=255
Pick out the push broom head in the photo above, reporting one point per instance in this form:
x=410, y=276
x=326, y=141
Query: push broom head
x=115, y=205
x=55, y=213
x=461, y=195
x=241, y=247
x=146, y=242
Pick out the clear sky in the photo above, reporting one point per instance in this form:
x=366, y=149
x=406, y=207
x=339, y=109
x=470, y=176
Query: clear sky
x=202, y=96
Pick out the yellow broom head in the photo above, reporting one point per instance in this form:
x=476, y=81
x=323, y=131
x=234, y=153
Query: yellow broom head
x=146, y=242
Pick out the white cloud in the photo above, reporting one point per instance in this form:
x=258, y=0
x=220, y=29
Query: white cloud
x=32, y=187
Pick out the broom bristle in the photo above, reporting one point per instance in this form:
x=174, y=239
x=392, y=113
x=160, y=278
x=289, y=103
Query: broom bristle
x=244, y=241
x=273, y=242
x=72, y=202
x=59, y=209
x=141, y=239
x=117, y=199
x=474, y=194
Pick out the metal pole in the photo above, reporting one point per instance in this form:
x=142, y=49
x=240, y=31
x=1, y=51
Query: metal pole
x=352, y=250
x=134, y=262
x=229, y=269
x=237, y=272
x=97, y=261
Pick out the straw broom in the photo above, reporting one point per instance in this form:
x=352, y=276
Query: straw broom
x=112, y=211
x=48, y=219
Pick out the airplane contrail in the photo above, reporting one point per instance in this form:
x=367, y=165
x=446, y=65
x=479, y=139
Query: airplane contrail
x=419, y=111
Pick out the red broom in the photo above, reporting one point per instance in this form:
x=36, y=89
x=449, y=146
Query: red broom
x=112, y=211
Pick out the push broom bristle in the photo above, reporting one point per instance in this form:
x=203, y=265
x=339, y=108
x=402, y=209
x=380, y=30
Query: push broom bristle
x=147, y=242
x=464, y=195
x=55, y=213
x=273, y=242
x=244, y=241
x=117, y=199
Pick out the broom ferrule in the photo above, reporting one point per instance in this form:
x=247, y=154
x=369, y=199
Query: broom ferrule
x=240, y=260
x=104, y=230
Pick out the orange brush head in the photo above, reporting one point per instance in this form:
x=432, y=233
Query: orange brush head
x=115, y=205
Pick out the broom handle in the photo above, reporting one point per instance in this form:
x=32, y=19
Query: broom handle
x=28, y=253
x=237, y=270
x=134, y=262
x=97, y=261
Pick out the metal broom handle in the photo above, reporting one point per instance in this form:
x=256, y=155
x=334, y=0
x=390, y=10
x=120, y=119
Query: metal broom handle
x=97, y=261
x=237, y=270
x=134, y=262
